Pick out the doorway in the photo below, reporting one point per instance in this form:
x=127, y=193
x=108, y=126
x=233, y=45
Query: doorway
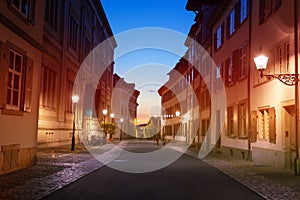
x=289, y=134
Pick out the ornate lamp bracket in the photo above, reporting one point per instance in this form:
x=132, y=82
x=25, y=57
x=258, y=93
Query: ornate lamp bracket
x=287, y=79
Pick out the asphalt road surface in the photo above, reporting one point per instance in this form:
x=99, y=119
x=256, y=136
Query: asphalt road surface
x=186, y=178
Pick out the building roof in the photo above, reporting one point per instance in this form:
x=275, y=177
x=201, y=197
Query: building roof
x=196, y=5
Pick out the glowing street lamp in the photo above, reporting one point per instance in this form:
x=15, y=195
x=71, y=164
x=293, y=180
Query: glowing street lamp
x=261, y=63
x=104, y=112
x=75, y=100
x=177, y=113
x=112, y=115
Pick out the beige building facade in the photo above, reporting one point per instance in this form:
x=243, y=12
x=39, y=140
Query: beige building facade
x=20, y=70
x=72, y=30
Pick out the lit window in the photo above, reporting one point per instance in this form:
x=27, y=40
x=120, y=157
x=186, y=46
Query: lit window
x=266, y=124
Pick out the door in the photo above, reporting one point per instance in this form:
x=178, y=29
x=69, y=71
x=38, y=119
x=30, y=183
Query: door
x=289, y=134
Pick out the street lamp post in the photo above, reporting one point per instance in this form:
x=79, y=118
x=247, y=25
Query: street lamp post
x=121, y=128
x=75, y=100
x=177, y=114
x=290, y=80
x=112, y=115
x=104, y=112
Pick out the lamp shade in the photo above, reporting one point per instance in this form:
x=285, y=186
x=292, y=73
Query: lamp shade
x=261, y=62
x=177, y=113
x=75, y=99
x=104, y=112
x=112, y=115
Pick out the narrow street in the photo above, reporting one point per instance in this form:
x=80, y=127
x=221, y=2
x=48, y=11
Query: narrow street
x=186, y=178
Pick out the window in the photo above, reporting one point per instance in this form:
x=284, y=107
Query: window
x=87, y=48
x=73, y=33
x=25, y=9
x=49, y=88
x=243, y=10
x=22, y=6
x=267, y=8
x=14, y=80
x=231, y=68
x=219, y=35
x=281, y=56
x=70, y=85
x=51, y=12
x=266, y=124
x=230, y=122
x=16, y=77
x=232, y=22
x=218, y=82
x=243, y=61
x=242, y=120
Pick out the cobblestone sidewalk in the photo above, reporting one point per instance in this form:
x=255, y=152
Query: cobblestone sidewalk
x=55, y=168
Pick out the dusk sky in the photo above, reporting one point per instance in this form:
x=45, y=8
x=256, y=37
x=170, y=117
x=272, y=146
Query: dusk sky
x=127, y=15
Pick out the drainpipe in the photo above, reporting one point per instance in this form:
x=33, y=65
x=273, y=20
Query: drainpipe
x=296, y=162
x=249, y=85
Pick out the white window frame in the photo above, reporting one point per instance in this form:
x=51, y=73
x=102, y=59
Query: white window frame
x=12, y=70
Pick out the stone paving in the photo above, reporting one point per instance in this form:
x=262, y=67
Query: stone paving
x=54, y=171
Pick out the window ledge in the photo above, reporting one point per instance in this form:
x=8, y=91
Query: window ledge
x=243, y=137
x=12, y=112
x=232, y=136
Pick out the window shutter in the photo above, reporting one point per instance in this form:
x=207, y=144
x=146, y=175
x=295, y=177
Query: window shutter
x=253, y=133
x=28, y=84
x=227, y=62
x=4, y=64
x=272, y=125
x=31, y=16
x=261, y=11
x=235, y=65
